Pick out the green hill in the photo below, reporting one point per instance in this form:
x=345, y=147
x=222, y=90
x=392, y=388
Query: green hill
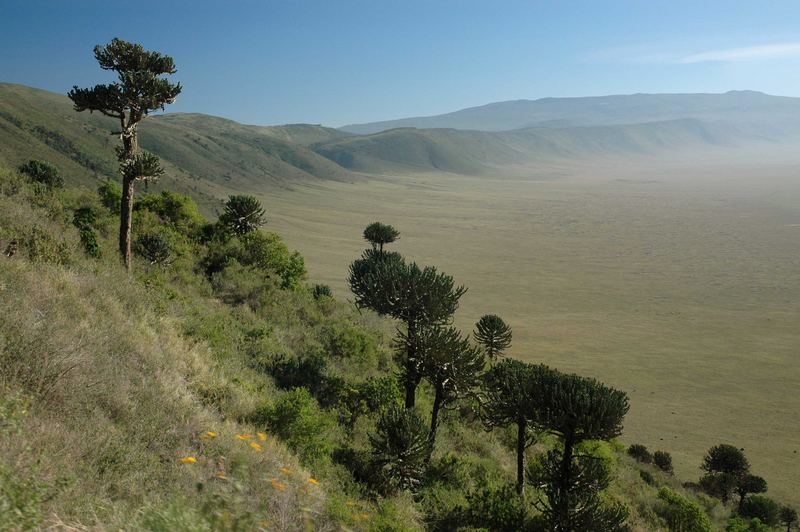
x=478, y=152
x=204, y=155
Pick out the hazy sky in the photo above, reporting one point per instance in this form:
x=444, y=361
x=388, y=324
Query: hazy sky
x=336, y=62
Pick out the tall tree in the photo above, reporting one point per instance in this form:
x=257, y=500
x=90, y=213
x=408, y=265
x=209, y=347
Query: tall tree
x=577, y=409
x=379, y=234
x=513, y=394
x=788, y=517
x=748, y=484
x=140, y=89
x=418, y=297
x=724, y=465
x=451, y=364
x=494, y=335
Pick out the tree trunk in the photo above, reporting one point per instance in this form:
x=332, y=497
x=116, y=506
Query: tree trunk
x=412, y=379
x=521, y=428
x=129, y=149
x=125, y=218
x=562, y=505
x=438, y=398
x=411, y=393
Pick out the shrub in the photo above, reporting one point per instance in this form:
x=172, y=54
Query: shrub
x=761, y=507
x=495, y=508
x=351, y=341
x=663, y=461
x=154, y=248
x=376, y=394
x=321, y=290
x=739, y=524
x=42, y=246
x=400, y=447
x=297, y=419
x=264, y=251
x=110, y=193
x=681, y=514
x=175, y=210
x=640, y=453
x=647, y=477
x=20, y=502
x=309, y=372
x=44, y=173
x=84, y=219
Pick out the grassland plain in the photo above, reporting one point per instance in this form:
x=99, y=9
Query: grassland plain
x=678, y=282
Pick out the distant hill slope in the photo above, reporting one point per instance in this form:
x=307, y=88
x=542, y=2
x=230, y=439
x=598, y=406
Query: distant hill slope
x=204, y=155
x=761, y=113
x=476, y=152
x=210, y=157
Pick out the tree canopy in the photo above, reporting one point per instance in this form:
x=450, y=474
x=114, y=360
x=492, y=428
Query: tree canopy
x=379, y=234
x=493, y=334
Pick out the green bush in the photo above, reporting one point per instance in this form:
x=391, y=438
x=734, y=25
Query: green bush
x=42, y=246
x=311, y=373
x=20, y=502
x=84, y=219
x=264, y=251
x=640, y=453
x=495, y=508
x=174, y=210
x=647, y=477
x=681, y=514
x=321, y=290
x=762, y=508
x=297, y=419
x=44, y=173
x=353, y=342
x=154, y=248
x=110, y=193
x=376, y=394
x=739, y=524
x=663, y=461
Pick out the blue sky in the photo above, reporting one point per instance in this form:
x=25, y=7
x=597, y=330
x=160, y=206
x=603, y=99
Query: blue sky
x=336, y=62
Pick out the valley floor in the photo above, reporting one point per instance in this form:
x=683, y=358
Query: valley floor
x=678, y=282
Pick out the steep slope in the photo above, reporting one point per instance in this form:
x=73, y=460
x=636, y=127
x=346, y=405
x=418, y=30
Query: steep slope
x=477, y=152
x=204, y=155
x=761, y=113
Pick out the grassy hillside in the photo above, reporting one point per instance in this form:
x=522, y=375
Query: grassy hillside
x=165, y=400
x=205, y=156
x=479, y=152
x=761, y=113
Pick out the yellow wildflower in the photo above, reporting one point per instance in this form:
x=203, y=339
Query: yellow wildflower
x=277, y=484
x=188, y=460
x=208, y=435
x=244, y=437
x=285, y=470
x=262, y=436
x=255, y=446
x=221, y=475
x=313, y=481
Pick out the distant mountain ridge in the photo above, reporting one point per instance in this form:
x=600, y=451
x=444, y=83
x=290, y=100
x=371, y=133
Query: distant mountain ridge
x=211, y=157
x=764, y=113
